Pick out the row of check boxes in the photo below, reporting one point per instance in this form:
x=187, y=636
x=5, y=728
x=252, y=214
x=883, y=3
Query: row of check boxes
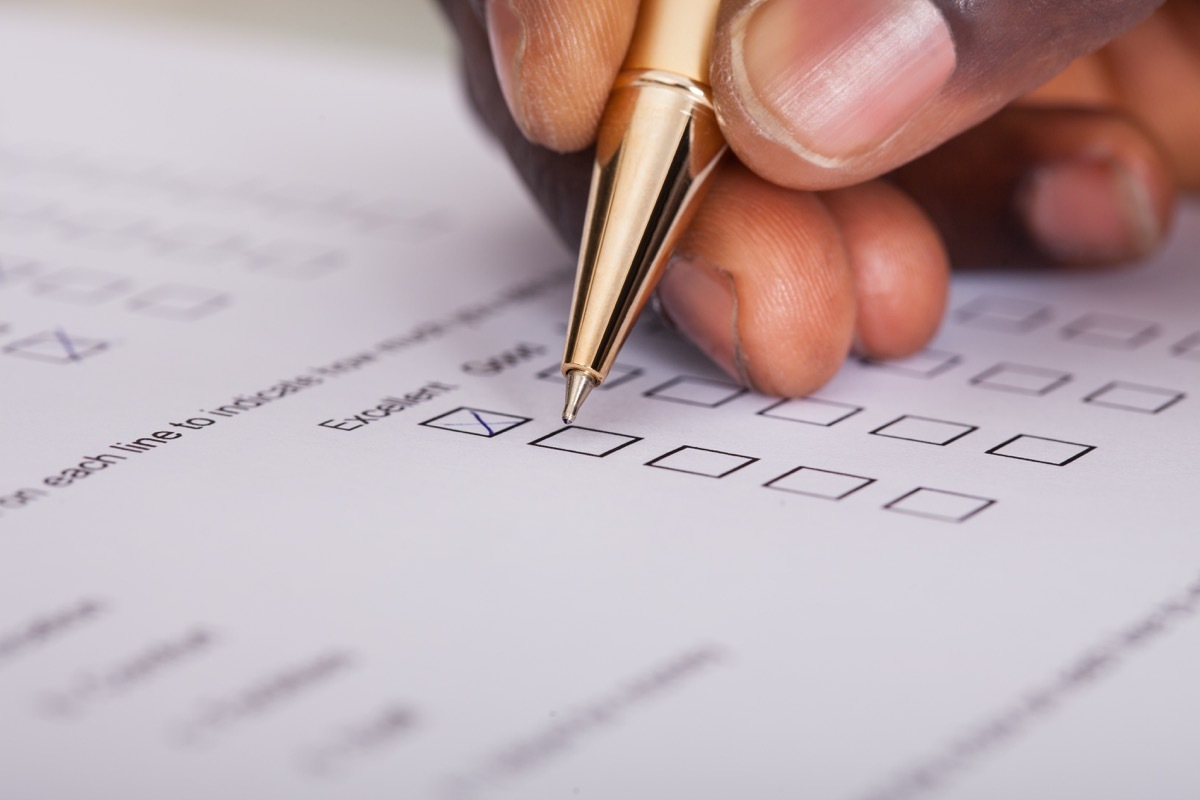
x=390, y=216
x=1110, y=331
x=92, y=287
x=1005, y=377
x=202, y=244
x=939, y=504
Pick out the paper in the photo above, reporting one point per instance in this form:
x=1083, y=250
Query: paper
x=286, y=509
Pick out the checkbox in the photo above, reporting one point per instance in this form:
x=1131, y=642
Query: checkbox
x=294, y=259
x=697, y=392
x=819, y=483
x=1042, y=450
x=14, y=269
x=1109, y=330
x=56, y=347
x=924, y=430
x=939, y=504
x=585, y=441
x=619, y=374
x=198, y=244
x=1021, y=379
x=82, y=286
x=926, y=364
x=23, y=206
x=1189, y=348
x=104, y=229
x=811, y=410
x=1134, y=397
x=1004, y=314
x=476, y=422
x=176, y=301
x=700, y=461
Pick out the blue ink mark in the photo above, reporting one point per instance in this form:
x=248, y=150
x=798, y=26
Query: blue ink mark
x=486, y=427
x=65, y=341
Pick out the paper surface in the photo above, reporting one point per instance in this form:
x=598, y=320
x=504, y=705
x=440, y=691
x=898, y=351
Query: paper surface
x=286, y=509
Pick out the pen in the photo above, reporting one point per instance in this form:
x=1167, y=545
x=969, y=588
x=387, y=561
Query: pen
x=657, y=145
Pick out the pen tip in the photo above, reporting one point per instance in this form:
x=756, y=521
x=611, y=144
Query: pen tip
x=579, y=385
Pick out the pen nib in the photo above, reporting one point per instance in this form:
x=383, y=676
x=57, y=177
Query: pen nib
x=579, y=385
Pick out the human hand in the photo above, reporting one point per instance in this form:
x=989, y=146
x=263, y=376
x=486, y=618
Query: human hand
x=868, y=156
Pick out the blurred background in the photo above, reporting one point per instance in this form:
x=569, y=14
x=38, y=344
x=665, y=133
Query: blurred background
x=414, y=26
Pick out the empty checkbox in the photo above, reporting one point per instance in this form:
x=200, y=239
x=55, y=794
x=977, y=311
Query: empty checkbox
x=819, y=483
x=294, y=259
x=697, y=391
x=618, y=375
x=1042, y=450
x=585, y=441
x=924, y=430
x=198, y=244
x=1021, y=379
x=1134, y=397
x=14, y=269
x=83, y=286
x=940, y=505
x=105, y=229
x=1189, y=348
x=1005, y=314
x=926, y=364
x=699, y=461
x=1109, y=330
x=174, y=301
x=811, y=410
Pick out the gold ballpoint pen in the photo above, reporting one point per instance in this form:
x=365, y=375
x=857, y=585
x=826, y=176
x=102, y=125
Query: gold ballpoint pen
x=657, y=145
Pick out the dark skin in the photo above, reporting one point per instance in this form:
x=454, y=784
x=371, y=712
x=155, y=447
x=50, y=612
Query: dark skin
x=1025, y=153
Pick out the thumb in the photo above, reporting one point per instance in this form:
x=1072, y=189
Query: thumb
x=816, y=94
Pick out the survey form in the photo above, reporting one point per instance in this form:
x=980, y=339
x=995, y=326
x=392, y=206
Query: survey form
x=283, y=486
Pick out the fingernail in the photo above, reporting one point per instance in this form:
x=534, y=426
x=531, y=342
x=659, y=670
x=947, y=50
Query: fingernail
x=1091, y=211
x=506, y=32
x=699, y=300
x=831, y=80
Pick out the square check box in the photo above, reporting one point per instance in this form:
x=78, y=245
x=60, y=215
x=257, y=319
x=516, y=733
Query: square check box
x=103, y=228
x=82, y=286
x=1109, y=330
x=23, y=207
x=924, y=430
x=1021, y=379
x=14, y=269
x=619, y=374
x=198, y=244
x=476, y=422
x=1189, y=348
x=175, y=301
x=697, y=392
x=819, y=483
x=1004, y=314
x=585, y=441
x=294, y=259
x=1134, y=397
x=811, y=410
x=56, y=347
x=940, y=505
x=1042, y=450
x=699, y=461
x=926, y=364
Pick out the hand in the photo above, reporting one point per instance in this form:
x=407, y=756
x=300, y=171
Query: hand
x=875, y=141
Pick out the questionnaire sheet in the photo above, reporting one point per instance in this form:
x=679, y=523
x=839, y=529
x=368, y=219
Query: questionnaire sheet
x=287, y=511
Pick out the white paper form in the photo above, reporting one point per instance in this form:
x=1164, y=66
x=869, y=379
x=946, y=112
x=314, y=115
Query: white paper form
x=286, y=509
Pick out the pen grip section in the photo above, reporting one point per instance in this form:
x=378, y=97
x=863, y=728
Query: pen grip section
x=674, y=36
